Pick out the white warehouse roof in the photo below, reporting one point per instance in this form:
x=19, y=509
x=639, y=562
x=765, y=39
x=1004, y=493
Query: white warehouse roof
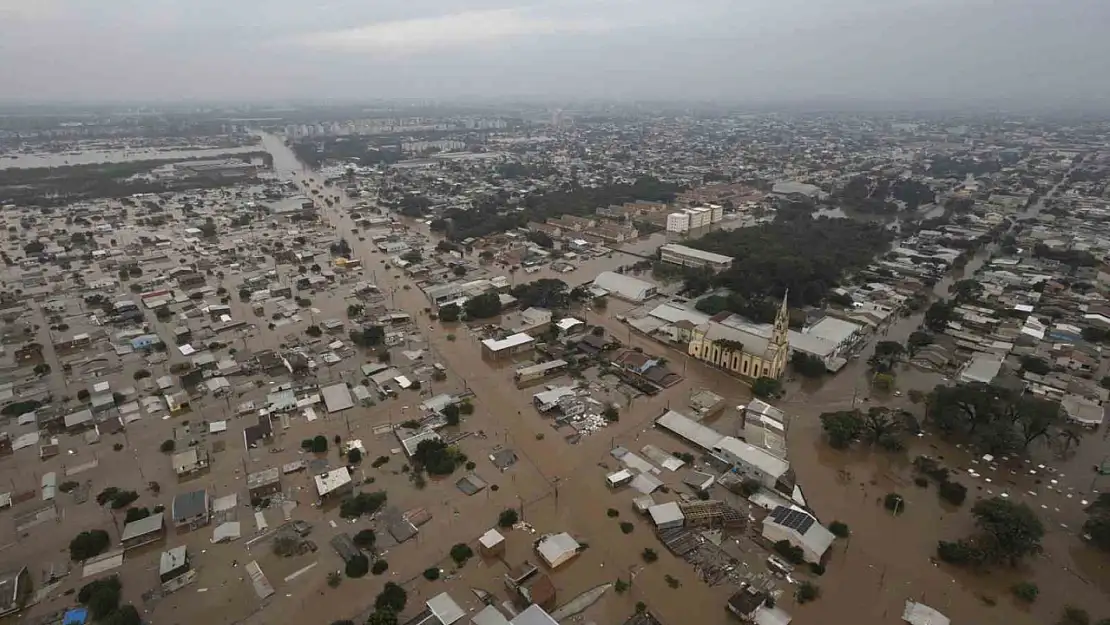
x=508, y=342
x=624, y=286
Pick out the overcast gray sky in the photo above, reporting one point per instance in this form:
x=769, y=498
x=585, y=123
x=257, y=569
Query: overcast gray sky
x=1022, y=51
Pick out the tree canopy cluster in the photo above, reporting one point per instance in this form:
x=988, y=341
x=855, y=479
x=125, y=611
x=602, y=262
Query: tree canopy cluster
x=388, y=604
x=877, y=194
x=1097, y=525
x=484, y=306
x=807, y=365
x=546, y=293
x=88, y=544
x=996, y=420
x=363, y=150
x=878, y=426
x=362, y=503
x=1005, y=532
x=57, y=186
x=367, y=336
x=437, y=457
x=491, y=215
x=805, y=256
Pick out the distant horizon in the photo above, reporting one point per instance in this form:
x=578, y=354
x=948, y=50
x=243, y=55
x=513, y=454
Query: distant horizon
x=28, y=107
x=1016, y=55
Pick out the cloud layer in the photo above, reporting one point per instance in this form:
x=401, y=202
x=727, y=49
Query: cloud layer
x=1012, y=54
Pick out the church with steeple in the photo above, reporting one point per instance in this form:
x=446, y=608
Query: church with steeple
x=737, y=345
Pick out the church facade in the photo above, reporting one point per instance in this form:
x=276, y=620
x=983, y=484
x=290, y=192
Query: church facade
x=732, y=343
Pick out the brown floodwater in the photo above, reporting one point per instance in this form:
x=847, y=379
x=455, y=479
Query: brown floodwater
x=888, y=559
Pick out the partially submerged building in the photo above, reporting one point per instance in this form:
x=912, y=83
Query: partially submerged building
x=800, y=529
x=191, y=510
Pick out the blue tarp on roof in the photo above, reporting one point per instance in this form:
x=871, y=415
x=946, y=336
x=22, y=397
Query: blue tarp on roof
x=76, y=616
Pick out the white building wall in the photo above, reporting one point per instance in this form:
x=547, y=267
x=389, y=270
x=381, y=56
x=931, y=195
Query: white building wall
x=775, y=533
x=678, y=222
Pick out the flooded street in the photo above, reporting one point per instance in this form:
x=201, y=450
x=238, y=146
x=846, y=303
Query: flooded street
x=887, y=560
x=566, y=490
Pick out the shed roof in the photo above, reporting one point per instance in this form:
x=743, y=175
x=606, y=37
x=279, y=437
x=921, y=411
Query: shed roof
x=445, y=609
x=142, y=527
x=491, y=539
x=332, y=480
x=337, y=397
x=624, y=286
x=188, y=505
x=680, y=424
x=664, y=513
x=172, y=560
x=555, y=548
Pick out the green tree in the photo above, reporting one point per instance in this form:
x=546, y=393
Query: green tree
x=102, y=597
x=319, y=444
x=449, y=313
x=952, y=492
x=432, y=573
x=1006, y=532
x=392, y=598
x=881, y=426
x=807, y=591
x=611, y=413
x=1036, y=365
x=379, y=567
x=887, y=355
x=508, y=517
x=807, y=365
x=484, y=306
x=354, y=455
x=136, y=514
x=938, y=315
x=766, y=387
x=451, y=414
x=365, y=539
x=842, y=427
x=1026, y=591
x=382, y=617
x=916, y=341
x=1074, y=616
x=357, y=566
x=126, y=614
x=88, y=544
x=839, y=529
x=1097, y=525
x=895, y=503
x=460, y=553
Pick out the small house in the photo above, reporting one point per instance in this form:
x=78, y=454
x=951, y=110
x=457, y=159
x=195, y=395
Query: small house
x=491, y=544
x=264, y=483
x=189, y=462
x=191, y=509
x=144, y=531
x=173, y=564
x=666, y=515
x=557, y=549
x=800, y=529
x=334, y=483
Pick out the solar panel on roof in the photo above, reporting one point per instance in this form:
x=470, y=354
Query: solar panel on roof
x=794, y=519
